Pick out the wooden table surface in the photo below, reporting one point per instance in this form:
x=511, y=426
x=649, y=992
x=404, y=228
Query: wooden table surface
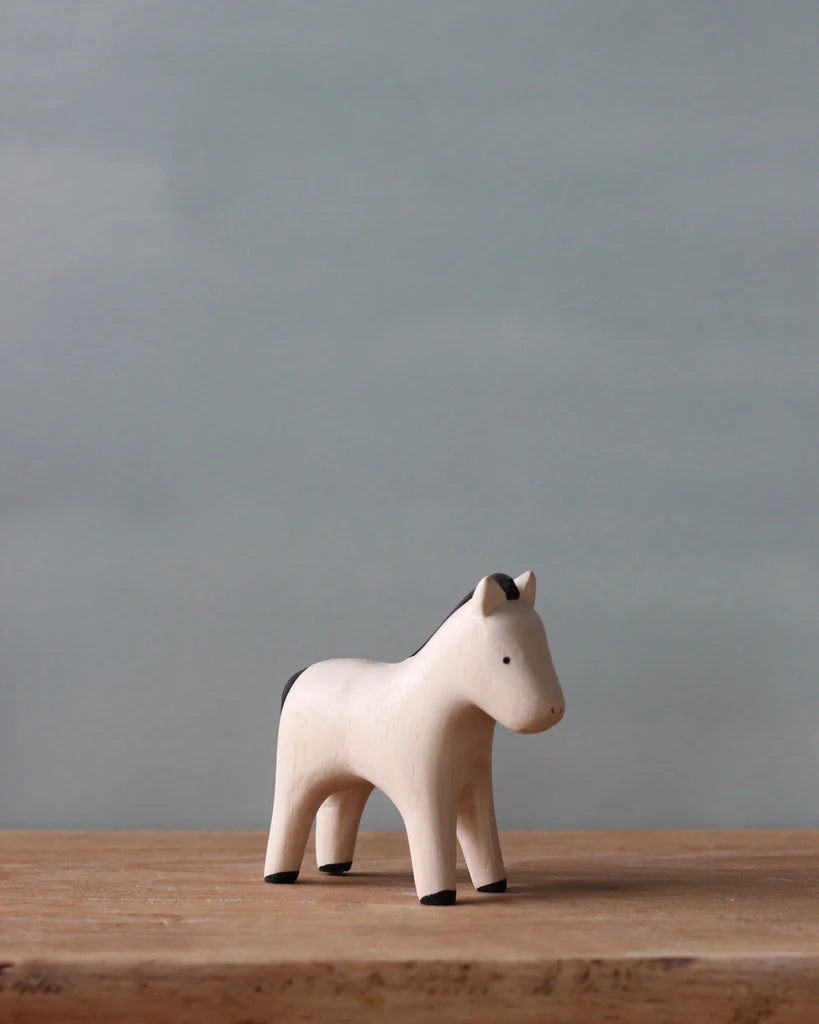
x=596, y=926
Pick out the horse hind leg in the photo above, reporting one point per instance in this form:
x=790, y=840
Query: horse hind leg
x=337, y=827
x=293, y=813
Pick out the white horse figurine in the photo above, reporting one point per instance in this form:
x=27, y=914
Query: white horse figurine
x=421, y=730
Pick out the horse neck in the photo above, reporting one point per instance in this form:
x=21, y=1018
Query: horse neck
x=436, y=677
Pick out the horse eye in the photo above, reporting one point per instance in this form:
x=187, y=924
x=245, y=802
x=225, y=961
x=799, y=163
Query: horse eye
x=506, y=660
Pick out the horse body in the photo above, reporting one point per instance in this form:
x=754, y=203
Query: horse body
x=420, y=730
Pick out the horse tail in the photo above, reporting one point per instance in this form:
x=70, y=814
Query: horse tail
x=288, y=686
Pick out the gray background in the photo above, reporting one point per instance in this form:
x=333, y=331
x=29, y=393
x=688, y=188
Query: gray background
x=312, y=314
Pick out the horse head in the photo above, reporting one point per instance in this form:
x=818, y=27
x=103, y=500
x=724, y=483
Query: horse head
x=511, y=675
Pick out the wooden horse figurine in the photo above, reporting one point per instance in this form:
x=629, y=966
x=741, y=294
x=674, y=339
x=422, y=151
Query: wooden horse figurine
x=421, y=730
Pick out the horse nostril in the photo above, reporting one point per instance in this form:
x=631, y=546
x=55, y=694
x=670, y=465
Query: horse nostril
x=553, y=710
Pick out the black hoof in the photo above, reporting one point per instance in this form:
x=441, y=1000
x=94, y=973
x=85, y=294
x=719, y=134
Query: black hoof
x=336, y=869
x=493, y=886
x=444, y=898
x=282, y=877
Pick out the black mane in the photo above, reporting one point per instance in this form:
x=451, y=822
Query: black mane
x=506, y=583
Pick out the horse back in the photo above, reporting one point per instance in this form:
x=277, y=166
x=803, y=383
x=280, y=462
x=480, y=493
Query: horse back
x=336, y=680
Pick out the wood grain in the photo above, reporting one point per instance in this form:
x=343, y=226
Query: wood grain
x=615, y=926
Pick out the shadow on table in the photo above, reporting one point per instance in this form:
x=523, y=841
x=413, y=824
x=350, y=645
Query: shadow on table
x=563, y=882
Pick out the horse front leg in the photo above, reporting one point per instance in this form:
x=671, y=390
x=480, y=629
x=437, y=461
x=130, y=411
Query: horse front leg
x=478, y=836
x=430, y=826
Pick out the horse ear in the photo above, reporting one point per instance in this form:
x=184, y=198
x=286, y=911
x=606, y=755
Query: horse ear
x=526, y=585
x=488, y=596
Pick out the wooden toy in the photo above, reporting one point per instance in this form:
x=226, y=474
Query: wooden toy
x=421, y=730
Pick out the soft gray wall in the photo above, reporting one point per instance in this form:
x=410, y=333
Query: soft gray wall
x=314, y=313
